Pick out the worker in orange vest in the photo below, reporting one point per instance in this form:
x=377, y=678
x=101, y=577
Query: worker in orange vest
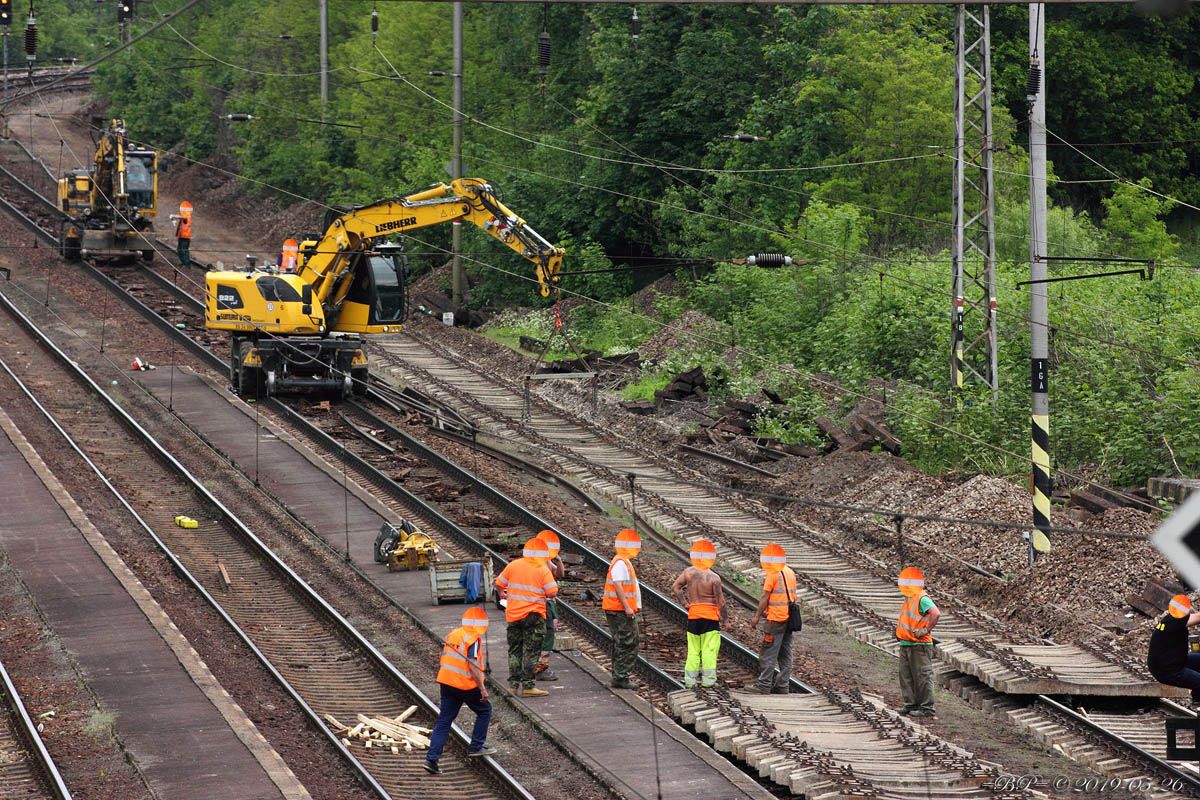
x=183, y=233
x=622, y=601
x=914, y=630
x=461, y=679
x=699, y=588
x=524, y=586
x=778, y=593
x=542, y=671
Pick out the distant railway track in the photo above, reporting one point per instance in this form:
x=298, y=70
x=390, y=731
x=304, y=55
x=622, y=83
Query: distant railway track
x=163, y=294
x=319, y=658
x=26, y=768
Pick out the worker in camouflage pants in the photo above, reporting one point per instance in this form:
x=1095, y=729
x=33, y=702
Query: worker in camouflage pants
x=621, y=603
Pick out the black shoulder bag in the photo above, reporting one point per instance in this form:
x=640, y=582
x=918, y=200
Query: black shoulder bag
x=795, y=622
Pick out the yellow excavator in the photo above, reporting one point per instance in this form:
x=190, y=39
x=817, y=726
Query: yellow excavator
x=301, y=329
x=110, y=207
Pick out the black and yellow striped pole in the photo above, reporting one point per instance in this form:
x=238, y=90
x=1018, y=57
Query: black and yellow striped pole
x=1039, y=313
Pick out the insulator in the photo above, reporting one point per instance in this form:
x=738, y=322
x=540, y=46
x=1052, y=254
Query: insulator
x=31, y=37
x=239, y=117
x=375, y=22
x=1033, y=82
x=769, y=260
x=543, y=51
x=635, y=26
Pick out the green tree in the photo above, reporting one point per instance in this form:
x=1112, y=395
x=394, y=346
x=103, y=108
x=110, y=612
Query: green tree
x=1134, y=222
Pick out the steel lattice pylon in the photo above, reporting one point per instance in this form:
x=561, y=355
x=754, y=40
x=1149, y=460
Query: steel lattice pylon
x=973, y=317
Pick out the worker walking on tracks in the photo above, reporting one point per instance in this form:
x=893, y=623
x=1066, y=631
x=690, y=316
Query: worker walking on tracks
x=461, y=680
x=699, y=588
x=525, y=585
x=914, y=630
x=183, y=233
x=622, y=602
x=778, y=594
x=1169, y=659
x=542, y=671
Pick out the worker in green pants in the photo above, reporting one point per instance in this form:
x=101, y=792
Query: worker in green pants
x=699, y=588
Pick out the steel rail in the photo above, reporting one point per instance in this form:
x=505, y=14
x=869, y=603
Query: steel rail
x=300, y=586
x=1154, y=761
x=28, y=730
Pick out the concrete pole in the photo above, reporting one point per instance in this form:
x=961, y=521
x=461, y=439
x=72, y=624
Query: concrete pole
x=956, y=247
x=457, y=278
x=1038, y=307
x=6, y=62
x=323, y=8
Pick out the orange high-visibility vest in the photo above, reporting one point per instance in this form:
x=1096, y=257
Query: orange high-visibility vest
x=183, y=229
x=910, y=619
x=778, y=593
x=455, y=670
x=528, y=583
x=612, y=602
x=704, y=611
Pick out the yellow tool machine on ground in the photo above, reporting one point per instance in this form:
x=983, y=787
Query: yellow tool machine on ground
x=404, y=546
x=302, y=330
x=110, y=206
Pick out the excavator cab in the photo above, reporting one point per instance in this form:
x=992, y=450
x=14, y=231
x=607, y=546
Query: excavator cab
x=377, y=289
x=141, y=181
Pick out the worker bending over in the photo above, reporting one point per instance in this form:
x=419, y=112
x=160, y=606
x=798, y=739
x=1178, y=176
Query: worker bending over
x=542, y=671
x=622, y=601
x=914, y=630
x=524, y=586
x=461, y=680
x=778, y=593
x=1169, y=659
x=699, y=588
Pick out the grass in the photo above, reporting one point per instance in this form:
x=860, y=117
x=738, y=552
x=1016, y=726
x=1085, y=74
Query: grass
x=100, y=723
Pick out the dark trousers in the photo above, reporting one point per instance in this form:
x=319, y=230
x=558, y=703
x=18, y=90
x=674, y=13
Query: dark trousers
x=916, y=676
x=452, y=702
x=183, y=251
x=775, y=659
x=1187, y=678
x=624, y=643
x=525, y=638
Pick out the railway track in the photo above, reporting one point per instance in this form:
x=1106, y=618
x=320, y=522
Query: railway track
x=167, y=295
x=323, y=662
x=26, y=768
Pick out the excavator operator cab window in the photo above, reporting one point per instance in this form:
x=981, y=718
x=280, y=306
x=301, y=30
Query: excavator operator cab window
x=379, y=284
x=276, y=290
x=139, y=179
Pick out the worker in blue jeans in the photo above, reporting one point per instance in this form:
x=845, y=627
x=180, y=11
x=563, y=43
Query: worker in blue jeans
x=462, y=683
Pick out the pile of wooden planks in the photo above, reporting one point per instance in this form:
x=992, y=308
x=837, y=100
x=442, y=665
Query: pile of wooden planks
x=1153, y=600
x=690, y=385
x=383, y=732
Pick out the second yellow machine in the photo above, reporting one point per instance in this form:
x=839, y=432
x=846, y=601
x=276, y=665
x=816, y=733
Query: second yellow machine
x=303, y=329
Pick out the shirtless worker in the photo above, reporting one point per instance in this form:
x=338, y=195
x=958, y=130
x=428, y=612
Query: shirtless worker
x=699, y=588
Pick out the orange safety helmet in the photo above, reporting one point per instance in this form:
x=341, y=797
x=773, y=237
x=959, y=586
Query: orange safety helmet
x=628, y=544
x=185, y=208
x=536, y=548
x=552, y=543
x=911, y=581
x=475, y=617
x=773, y=558
x=1180, y=607
x=703, y=554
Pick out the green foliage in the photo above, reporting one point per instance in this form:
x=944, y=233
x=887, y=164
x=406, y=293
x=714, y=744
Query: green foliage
x=1134, y=223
